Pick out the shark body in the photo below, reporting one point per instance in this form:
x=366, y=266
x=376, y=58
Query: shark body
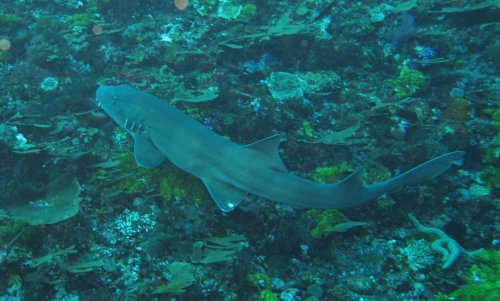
x=229, y=170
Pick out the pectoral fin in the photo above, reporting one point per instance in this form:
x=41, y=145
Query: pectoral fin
x=227, y=197
x=146, y=153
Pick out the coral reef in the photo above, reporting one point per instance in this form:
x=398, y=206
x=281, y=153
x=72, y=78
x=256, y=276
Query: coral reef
x=352, y=84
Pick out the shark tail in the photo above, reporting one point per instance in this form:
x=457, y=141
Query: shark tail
x=361, y=194
x=420, y=173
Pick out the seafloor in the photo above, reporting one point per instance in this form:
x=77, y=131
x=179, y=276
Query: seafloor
x=382, y=86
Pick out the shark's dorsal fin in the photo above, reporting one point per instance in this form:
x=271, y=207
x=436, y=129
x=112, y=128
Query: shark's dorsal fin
x=354, y=180
x=146, y=154
x=227, y=197
x=269, y=146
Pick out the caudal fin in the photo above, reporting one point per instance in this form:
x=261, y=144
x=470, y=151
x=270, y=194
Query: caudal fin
x=422, y=172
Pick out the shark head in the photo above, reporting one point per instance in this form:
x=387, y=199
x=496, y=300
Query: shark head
x=124, y=105
x=113, y=101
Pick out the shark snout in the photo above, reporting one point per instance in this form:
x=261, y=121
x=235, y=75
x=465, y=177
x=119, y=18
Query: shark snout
x=104, y=93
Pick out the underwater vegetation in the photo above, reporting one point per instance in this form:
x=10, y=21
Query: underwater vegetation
x=10, y=19
x=483, y=280
x=125, y=175
x=380, y=86
x=408, y=82
x=326, y=220
x=331, y=174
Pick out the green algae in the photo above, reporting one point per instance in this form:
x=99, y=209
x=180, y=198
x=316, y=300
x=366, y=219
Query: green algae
x=82, y=20
x=385, y=203
x=483, y=283
x=126, y=176
x=268, y=295
x=4, y=55
x=409, y=82
x=308, y=129
x=10, y=20
x=259, y=280
x=248, y=12
x=491, y=176
x=331, y=174
x=325, y=220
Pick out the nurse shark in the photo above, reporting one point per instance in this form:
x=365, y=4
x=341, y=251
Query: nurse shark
x=229, y=170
